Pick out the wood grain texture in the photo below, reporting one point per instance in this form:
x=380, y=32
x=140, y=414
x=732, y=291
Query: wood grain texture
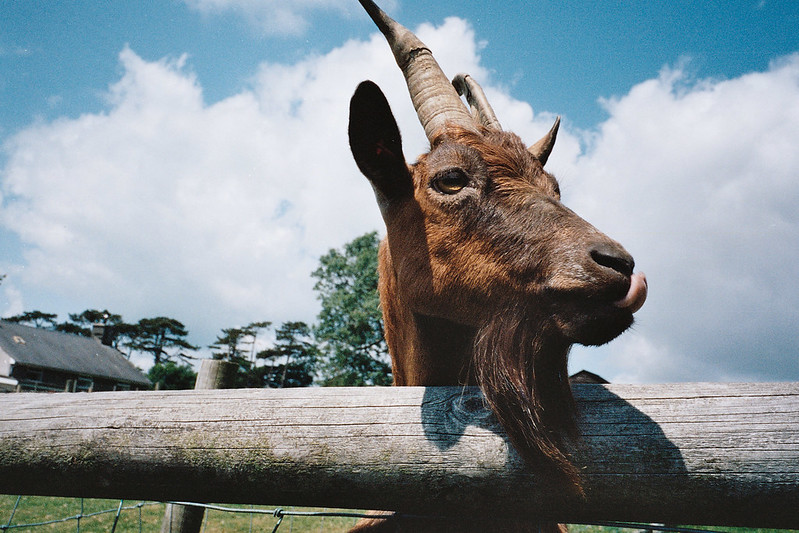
x=213, y=374
x=701, y=453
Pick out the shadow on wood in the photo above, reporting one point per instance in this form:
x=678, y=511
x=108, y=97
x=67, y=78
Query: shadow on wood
x=701, y=453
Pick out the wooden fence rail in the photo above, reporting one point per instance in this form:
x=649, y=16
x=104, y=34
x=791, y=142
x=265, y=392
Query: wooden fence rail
x=213, y=374
x=698, y=453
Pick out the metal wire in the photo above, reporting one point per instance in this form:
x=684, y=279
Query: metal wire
x=13, y=512
x=116, y=518
x=280, y=513
x=78, y=517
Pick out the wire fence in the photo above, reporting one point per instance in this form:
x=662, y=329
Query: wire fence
x=37, y=514
x=34, y=514
x=83, y=514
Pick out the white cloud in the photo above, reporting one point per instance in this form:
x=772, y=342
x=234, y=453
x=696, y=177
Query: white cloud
x=214, y=214
x=217, y=214
x=13, y=300
x=699, y=180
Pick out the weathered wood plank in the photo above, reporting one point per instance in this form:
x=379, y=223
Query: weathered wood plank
x=722, y=454
x=213, y=374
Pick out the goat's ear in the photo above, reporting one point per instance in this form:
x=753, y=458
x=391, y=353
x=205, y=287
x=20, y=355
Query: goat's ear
x=376, y=144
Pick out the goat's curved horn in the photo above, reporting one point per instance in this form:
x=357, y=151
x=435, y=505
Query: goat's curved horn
x=433, y=96
x=543, y=147
x=481, y=109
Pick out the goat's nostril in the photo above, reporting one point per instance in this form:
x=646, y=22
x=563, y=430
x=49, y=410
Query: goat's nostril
x=610, y=256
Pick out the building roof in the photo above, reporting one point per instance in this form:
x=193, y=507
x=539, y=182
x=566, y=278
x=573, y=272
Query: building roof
x=584, y=376
x=42, y=348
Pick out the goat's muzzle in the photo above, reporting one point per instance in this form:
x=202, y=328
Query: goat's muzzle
x=615, y=258
x=636, y=295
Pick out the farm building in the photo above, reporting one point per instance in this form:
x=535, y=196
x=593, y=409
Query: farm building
x=34, y=359
x=584, y=376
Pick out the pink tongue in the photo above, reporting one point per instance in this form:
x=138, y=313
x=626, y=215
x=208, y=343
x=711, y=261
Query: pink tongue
x=636, y=296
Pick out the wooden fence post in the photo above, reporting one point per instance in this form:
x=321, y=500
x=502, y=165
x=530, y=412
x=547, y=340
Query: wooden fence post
x=214, y=374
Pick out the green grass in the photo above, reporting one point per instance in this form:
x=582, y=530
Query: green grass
x=147, y=518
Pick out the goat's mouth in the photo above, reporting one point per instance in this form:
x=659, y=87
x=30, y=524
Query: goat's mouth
x=598, y=319
x=636, y=294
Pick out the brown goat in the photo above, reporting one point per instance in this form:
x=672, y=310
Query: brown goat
x=486, y=278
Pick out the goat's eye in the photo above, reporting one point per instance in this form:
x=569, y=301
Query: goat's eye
x=451, y=181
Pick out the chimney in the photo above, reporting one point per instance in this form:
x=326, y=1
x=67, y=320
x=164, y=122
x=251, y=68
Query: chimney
x=103, y=333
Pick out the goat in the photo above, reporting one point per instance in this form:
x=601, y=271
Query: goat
x=486, y=278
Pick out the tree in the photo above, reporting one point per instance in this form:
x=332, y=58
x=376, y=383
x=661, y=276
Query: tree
x=227, y=345
x=81, y=324
x=123, y=335
x=172, y=376
x=157, y=335
x=252, y=330
x=231, y=346
x=94, y=316
x=227, y=349
x=292, y=359
x=350, y=322
x=36, y=319
x=74, y=329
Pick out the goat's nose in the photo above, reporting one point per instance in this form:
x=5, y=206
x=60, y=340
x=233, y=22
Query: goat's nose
x=614, y=257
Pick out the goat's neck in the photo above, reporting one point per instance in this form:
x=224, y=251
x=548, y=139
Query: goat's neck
x=424, y=350
x=442, y=352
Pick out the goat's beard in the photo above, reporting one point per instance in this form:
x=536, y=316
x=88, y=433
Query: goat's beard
x=520, y=363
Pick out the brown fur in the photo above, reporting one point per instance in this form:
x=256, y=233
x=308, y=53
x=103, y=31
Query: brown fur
x=492, y=284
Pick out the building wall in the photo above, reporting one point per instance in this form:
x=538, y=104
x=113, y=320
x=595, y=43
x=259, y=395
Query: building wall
x=5, y=363
x=46, y=380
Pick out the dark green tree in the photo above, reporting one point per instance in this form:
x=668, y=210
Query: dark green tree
x=81, y=323
x=172, y=376
x=226, y=346
x=292, y=360
x=37, y=319
x=350, y=328
x=70, y=327
x=95, y=316
x=253, y=329
x=159, y=336
x=235, y=345
x=123, y=335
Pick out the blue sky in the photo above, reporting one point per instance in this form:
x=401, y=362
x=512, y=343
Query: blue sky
x=189, y=158
x=56, y=58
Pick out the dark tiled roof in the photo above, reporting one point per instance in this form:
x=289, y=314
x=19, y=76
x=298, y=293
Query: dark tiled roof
x=584, y=376
x=63, y=351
